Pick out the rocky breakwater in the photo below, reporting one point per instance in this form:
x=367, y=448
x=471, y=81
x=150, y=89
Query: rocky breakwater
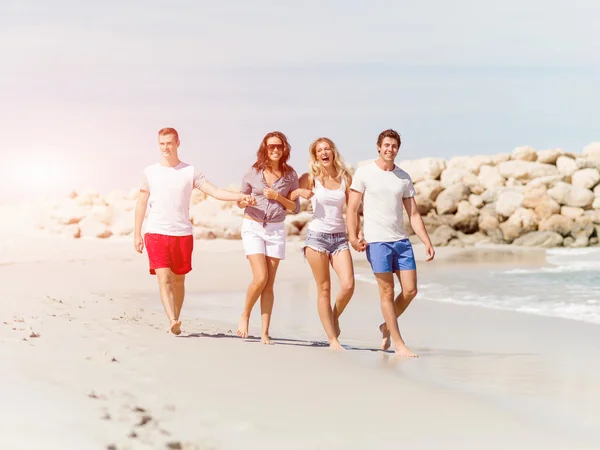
x=92, y=215
x=545, y=198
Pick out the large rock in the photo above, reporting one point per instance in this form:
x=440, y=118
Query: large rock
x=423, y=169
x=472, y=239
x=489, y=176
x=469, y=163
x=447, y=201
x=549, y=181
x=592, y=150
x=508, y=201
x=442, y=235
x=587, y=163
x=526, y=170
x=583, y=226
x=596, y=203
x=544, y=239
x=299, y=220
x=93, y=226
x=454, y=176
x=523, y=220
x=465, y=219
x=429, y=189
x=500, y=158
x=476, y=200
x=586, y=178
x=524, y=153
x=548, y=156
x=594, y=215
x=557, y=223
x=566, y=166
x=571, y=212
x=122, y=223
x=569, y=195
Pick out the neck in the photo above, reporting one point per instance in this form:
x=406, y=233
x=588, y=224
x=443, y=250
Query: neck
x=274, y=166
x=385, y=165
x=170, y=162
x=330, y=171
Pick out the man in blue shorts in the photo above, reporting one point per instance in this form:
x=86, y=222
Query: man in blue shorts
x=386, y=191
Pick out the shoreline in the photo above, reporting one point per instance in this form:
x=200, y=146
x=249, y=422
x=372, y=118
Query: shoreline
x=102, y=353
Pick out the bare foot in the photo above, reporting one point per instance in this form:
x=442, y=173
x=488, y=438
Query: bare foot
x=176, y=327
x=403, y=350
x=386, y=340
x=266, y=340
x=336, y=346
x=336, y=325
x=242, y=330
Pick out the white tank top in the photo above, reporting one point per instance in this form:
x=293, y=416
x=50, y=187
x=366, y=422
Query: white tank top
x=328, y=208
x=170, y=194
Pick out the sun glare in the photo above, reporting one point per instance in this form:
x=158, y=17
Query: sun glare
x=38, y=176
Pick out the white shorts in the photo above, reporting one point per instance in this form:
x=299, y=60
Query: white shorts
x=268, y=240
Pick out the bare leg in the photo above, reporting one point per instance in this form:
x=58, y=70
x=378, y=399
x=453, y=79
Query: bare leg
x=408, y=283
x=167, y=297
x=319, y=263
x=344, y=268
x=267, y=299
x=258, y=264
x=179, y=292
x=386, y=292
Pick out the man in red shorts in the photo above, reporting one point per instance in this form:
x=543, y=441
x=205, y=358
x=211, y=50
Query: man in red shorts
x=167, y=188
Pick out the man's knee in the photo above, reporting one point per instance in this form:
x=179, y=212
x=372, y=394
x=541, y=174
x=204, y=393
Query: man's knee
x=410, y=293
x=386, y=291
x=178, y=280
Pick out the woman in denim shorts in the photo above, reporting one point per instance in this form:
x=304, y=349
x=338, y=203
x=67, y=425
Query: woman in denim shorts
x=326, y=185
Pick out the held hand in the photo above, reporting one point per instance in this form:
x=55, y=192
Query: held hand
x=247, y=200
x=270, y=194
x=359, y=244
x=305, y=193
x=429, y=252
x=138, y=243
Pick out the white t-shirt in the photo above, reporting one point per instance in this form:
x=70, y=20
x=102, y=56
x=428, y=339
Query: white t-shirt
x=382, y=201
x=170, y=194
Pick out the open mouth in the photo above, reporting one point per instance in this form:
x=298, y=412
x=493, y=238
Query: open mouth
x=325, y=158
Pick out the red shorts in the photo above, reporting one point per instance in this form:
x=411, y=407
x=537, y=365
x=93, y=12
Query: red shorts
x=173, y=252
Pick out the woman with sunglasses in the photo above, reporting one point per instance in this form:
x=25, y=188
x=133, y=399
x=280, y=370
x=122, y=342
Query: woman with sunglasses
x=270, y=180
x=327, y=184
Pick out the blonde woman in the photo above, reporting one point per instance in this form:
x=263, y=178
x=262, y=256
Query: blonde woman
x=327, y=185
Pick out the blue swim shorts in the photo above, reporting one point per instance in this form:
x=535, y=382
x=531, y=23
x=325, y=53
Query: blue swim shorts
x=391, y=256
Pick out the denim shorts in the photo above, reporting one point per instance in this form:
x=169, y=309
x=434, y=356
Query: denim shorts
x=330, y=243
x=391, y=256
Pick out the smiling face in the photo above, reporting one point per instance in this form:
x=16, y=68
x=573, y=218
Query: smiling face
x=324, y=154
x=168, y=144
x=388, y=149
x=275, y=149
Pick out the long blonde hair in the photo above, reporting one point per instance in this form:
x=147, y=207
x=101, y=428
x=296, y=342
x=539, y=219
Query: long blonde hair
x=315, y=170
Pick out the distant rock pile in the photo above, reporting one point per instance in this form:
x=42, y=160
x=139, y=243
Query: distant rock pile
x=545, y=198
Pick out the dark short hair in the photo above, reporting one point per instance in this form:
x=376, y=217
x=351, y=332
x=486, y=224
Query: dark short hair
x=393, y=134
x=166, y=131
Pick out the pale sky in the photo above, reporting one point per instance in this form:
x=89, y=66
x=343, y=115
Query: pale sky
x=85, y=86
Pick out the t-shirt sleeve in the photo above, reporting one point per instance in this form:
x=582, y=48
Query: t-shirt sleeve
x=247, y=183
x=410, y=190
x=199, y=179
x=358, y=183
x=144, y=185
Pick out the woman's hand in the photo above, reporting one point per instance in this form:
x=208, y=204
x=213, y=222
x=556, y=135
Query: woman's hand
x=305, y=193
x=270, y=193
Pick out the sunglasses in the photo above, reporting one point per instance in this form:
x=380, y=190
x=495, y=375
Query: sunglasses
x=272, y=147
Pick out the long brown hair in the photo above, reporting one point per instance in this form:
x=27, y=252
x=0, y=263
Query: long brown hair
x=262, y=157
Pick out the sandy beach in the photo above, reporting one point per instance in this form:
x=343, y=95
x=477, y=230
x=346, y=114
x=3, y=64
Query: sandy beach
x=87, y=362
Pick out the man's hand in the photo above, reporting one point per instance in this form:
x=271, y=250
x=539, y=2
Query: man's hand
x=429, y=252
x=249, y=200
x=138, y=243
x=358, y=244
x=270, y=193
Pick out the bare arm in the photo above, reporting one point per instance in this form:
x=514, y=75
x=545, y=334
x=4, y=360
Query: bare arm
x=140, y=213
x=222, y=194
x=416, y=222
x=288, y=204
x=304, y=190
x=352, y=220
